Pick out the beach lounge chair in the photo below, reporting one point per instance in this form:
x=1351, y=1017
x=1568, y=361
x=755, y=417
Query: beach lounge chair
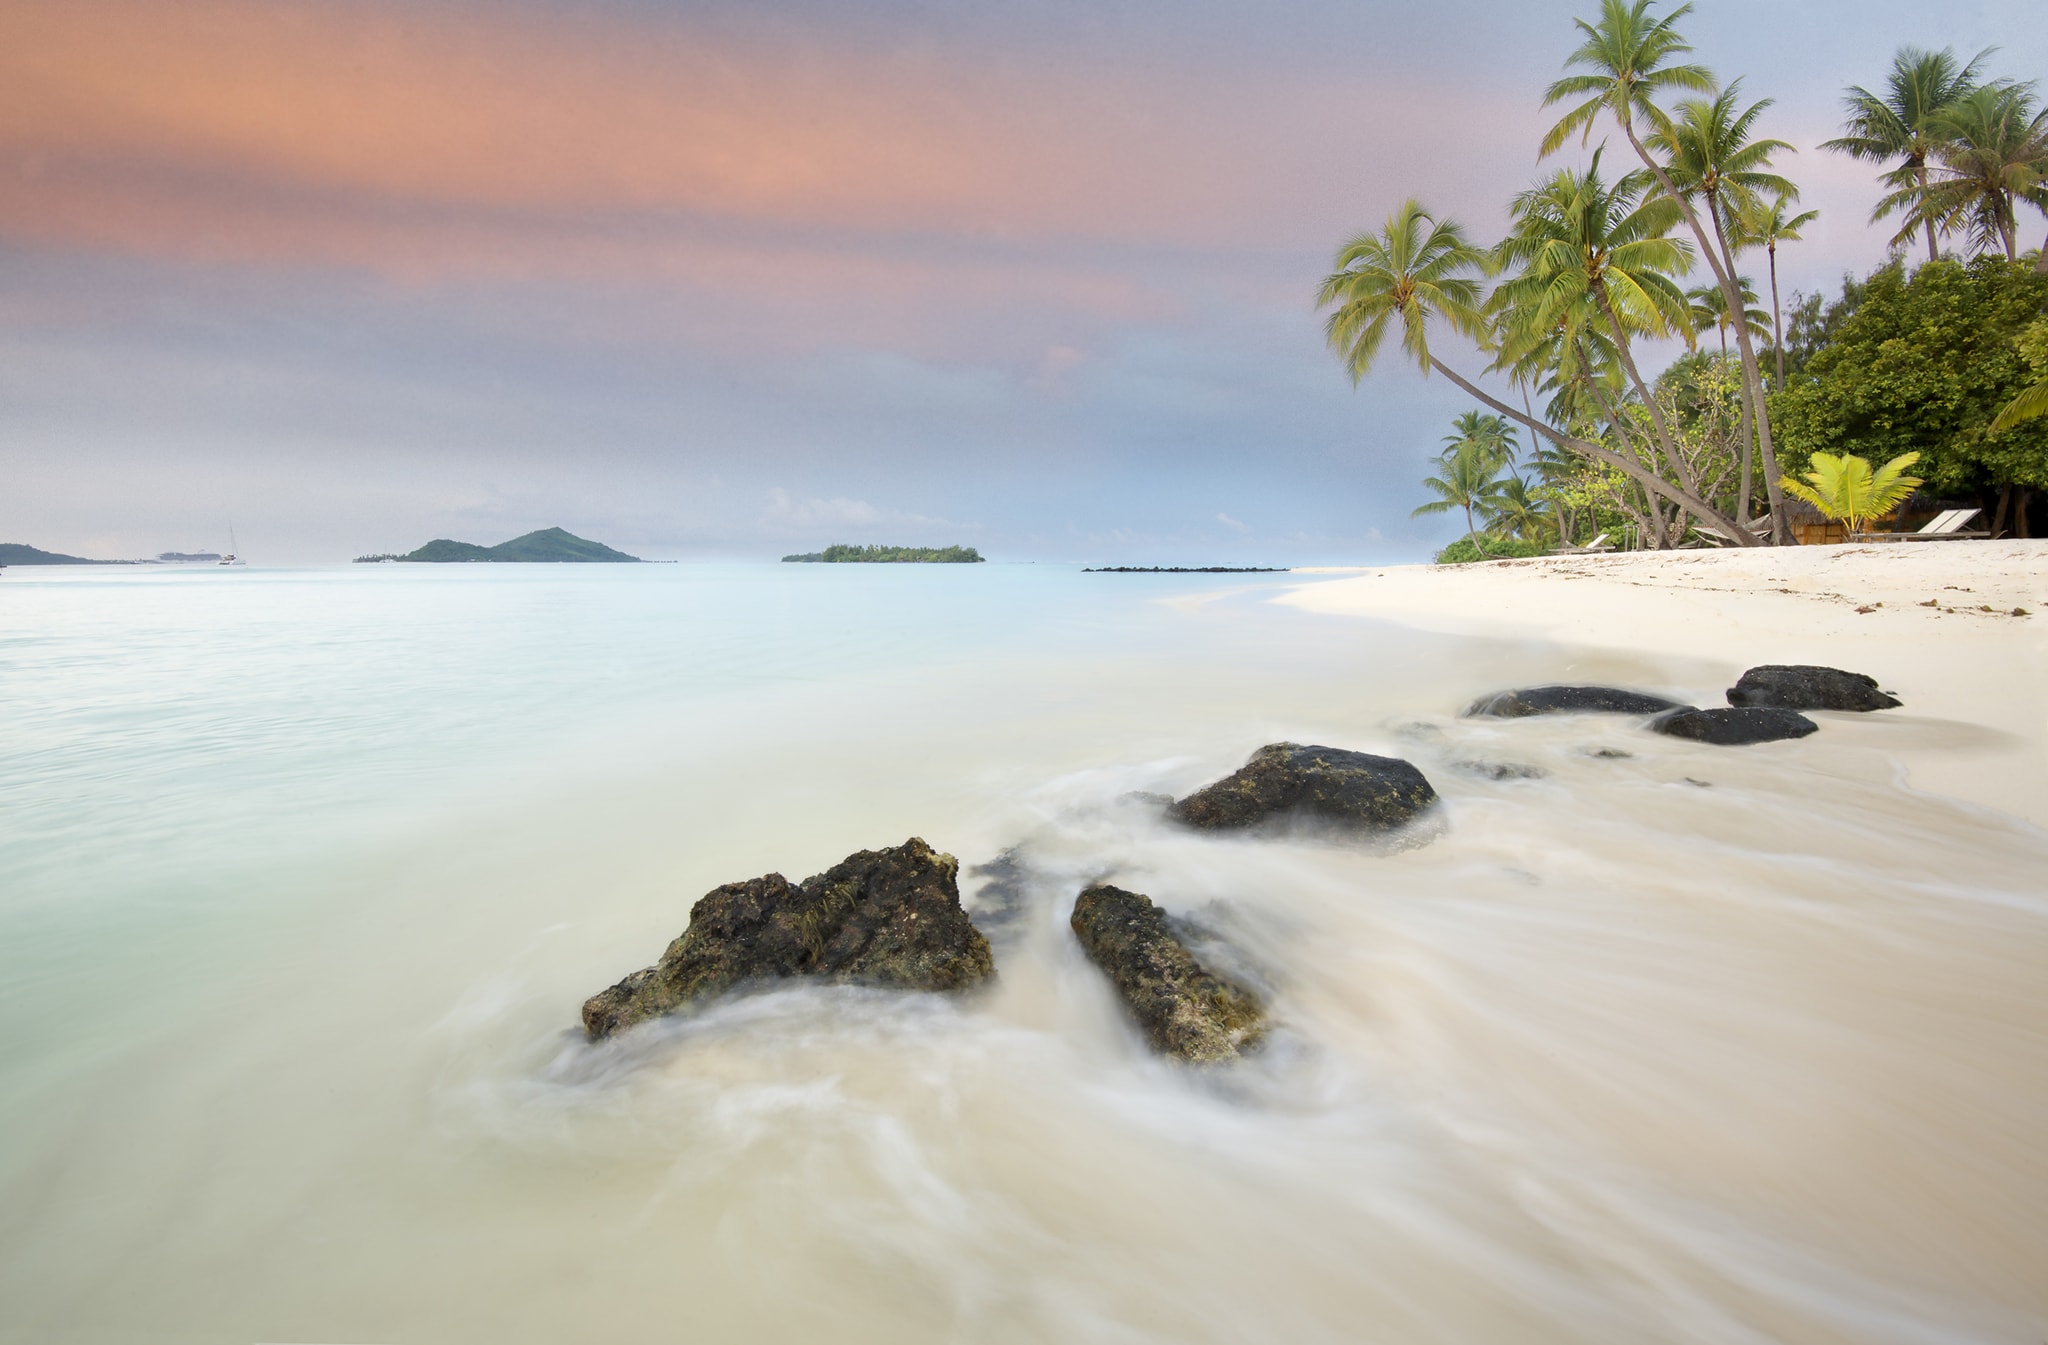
x=1593, y=548
x=1713, y=536
x=1947, y=526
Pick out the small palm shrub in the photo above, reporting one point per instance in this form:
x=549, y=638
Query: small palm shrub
x=1843, y=486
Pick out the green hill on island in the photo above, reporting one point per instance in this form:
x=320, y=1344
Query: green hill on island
x=549, y=545
x=841, y=554
x=17, y=553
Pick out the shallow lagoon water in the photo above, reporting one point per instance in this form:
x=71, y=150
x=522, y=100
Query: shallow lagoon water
x=304, y=875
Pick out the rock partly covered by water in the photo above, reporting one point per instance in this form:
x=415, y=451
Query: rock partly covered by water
x=1185, y=1010
x=888, y=918
x=1803, y=686
x=1557, y=700
x=1350, y=789
x=1735, y=728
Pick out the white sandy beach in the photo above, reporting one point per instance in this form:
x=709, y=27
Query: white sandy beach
x=1933, y=622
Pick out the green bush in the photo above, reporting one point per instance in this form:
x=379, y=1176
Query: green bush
x=1921, y=362
x=1468, y=549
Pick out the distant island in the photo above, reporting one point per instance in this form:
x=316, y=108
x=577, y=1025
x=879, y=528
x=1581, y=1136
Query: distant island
x=549, y=545
x=1186, y=569
x=16, y=553
x=842, y=554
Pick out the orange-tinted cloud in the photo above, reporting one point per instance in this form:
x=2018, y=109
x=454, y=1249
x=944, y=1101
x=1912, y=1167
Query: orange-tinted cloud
x=424, y=144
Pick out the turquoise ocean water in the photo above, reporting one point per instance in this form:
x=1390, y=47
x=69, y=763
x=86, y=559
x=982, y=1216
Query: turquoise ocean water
x=304, y=874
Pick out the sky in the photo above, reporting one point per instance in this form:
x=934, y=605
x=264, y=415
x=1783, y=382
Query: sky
x=728, y=280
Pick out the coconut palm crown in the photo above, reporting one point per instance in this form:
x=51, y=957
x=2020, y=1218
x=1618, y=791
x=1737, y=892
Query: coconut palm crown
x=1993, y=154
x=1491, y=437
x=1580, y=247
x=1710, y=153
x=1898, y=124
x=1710, y=309
x=1626, y=56
x=1467, y=480
x=1766, y=224
x=1416, y=268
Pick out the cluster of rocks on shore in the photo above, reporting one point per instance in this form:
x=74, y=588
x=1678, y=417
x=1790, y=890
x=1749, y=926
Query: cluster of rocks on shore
x=892, y=918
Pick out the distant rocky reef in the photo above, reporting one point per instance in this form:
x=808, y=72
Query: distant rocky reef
x=842, y=554
x=549, y=545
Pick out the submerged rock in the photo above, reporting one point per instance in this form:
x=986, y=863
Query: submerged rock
x=1735, y=728
x=1351, y=789
x=1501, y=770
x=1185, y=1010
x=1805, y=686
x=888, y=918
x=1560, y=700
x=1002, y=904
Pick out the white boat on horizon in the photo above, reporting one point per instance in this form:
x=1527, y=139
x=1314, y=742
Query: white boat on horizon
x=233, y=546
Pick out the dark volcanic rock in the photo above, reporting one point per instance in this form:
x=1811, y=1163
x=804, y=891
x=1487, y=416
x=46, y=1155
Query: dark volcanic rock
x=1734, y=728
x=1801, y=686
x=1185, y=1010
x=1526, y=701
x=1351, y=789
x=882, y=917
x=1501, y=770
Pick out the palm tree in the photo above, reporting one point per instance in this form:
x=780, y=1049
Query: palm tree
x=1993, y=155
x=1567, y=354
x=1625, y=56
x=1513, y=511
x=1899, y=124
x=1575, y=242
x=1467, y=483
x=1843, y=486
x=1765, y=225
x=1709, y=307
x=1712, y=158
x=1625, y=59
x=1711, y=155
x=1416, y=269
x=1492, y=437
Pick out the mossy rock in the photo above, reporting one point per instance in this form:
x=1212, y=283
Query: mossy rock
x=1568, y=700
x=1736, y=727
x=1353, y=791
x=889, y=918
x=1806, y=686
x=1185, y=1010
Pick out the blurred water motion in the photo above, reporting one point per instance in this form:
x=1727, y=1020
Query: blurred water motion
x=303, y=876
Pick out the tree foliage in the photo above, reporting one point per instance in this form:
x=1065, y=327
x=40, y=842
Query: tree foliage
x=1468, y=549
x=1923, y=363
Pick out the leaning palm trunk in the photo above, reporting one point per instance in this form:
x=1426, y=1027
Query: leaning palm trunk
x=1748, y=454
x=1635, y=471
x=1652, y=504
x=1777, y=319
x=1667, y=447
x=1752, y=376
